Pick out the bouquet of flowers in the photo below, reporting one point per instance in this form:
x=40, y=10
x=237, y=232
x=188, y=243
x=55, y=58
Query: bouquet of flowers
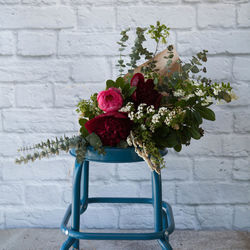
x=159, y=104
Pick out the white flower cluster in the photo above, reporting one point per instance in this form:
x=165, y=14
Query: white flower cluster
x=156, y=118
x=199, y=92
x=139, y=114
x=216, y=90
x=150, y=109
x=188, y=97
x=171, y=115
x=179, y=93
x=127, y=108
x=207, y=100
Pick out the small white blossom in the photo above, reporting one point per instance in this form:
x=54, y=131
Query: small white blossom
x=131, y=115
x=188, y=97
x=199, y=92
x=143, y=127
x=155, y=118
x=179, y=93
x=216, y=90
x=150, y=109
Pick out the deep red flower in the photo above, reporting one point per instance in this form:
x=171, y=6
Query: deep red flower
x=111, y=127
x=145, y=92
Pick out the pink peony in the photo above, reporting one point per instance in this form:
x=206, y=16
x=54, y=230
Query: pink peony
x=110, y=100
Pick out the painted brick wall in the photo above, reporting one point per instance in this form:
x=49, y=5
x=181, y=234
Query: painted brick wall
x=53, y=53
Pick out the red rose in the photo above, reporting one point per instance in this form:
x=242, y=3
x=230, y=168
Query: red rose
x=111, y=127
x=145, y=92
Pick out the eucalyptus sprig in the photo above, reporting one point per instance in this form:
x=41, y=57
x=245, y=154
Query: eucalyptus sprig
x=122, y=44
x=53, y=147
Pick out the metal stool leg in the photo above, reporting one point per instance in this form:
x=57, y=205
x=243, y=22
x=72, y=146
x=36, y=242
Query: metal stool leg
x=68, y=243
x=85, y=186
x=76, y=201
x=158, y=213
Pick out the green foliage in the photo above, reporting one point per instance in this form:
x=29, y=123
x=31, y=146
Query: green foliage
x=122, y=44
x=120, y=83
x=53, y=147
x=89, y=108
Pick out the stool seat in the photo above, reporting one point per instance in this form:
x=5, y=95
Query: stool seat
x=163, y=217
x=114, y=155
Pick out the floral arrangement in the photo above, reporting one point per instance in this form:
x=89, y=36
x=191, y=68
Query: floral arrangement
x=159, y=104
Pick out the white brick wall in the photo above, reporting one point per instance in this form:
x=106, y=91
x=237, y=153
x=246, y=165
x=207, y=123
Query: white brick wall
x=55, y=52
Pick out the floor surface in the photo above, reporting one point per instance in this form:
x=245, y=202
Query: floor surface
x=50, y=239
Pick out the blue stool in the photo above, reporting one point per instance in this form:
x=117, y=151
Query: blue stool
x=163, y=216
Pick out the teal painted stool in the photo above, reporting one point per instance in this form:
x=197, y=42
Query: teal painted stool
x=163, y=216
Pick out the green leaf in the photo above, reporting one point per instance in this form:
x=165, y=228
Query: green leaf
x=195, y=69
x=186, y=67
x=94, y=140
x=225, y=96
x=84, y=132
x=82, y=121
x=197, y=117
x=195, y=133
x=206, y=113
x=196, y=61
x=131, y=91
x=171, y=140
x=109, y=84
x=120, y=82
x=178, y=147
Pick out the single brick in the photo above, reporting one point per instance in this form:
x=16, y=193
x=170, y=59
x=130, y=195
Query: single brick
x=136, y=217
x=241, y=169
x=96, y=18
x=9, y=144
x=43, y=195
x=213, y=41
x=36, y=43
x=177, y=168
x=35, y=96
x=52, y=120
x=220, y=15
x=55, y=17
x=69, y=95
x=174, y=16
x=185, y=217
x=125, y=189
x=241, y=69
x=223, y=122
x=7, y=43
x=242, y=122
x=216, y=193
x=133, y=171
x=38, y=170
x=212, y=217
x=168, y=191
x=72, y=43
x=34, y=217
x=100, y=217
x=212, y=169
x=218, y=68
x=11, y=194
x=6, y=96
x=236, y=145
x=243, y=15
x=242, y=218
x=208, y=145
x=35, y=70
x=90, y=69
